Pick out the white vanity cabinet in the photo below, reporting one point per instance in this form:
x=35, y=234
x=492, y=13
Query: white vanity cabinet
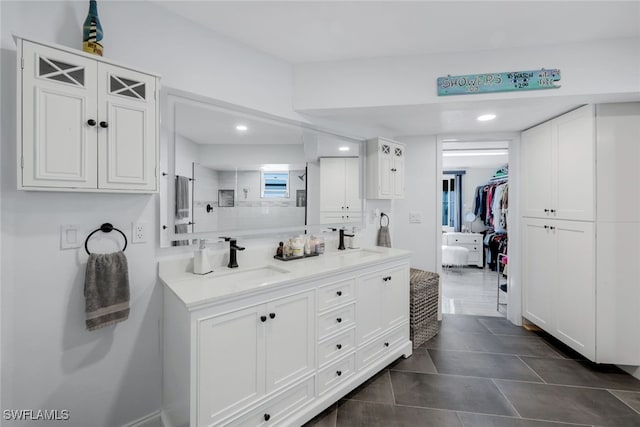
x=285, y=352
x=340, y=200
x=85, y=124
x=385, y=169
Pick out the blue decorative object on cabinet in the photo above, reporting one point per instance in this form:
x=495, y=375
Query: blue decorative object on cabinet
x=92, y=31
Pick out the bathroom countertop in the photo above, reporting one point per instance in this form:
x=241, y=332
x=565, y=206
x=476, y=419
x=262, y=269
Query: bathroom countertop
x=196, y=291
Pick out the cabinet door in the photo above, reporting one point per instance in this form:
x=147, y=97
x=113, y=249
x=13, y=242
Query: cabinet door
x=353, y=202
x=290, y=339
x=535, y=160
x=397, y=171
x=369, y=307
x=574, y=296
x=539, y=265
x=395, y=294
x=573, y=191
x=58, y=102
x=386, y=176
x=230, y=362
x=332, y=185
x=127, y=147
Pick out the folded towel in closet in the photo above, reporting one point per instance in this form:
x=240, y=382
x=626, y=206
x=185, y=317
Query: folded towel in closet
x=106, y=290
x=182, y=197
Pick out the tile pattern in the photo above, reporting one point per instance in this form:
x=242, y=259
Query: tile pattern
x=482, y=371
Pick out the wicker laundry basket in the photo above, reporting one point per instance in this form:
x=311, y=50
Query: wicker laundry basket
x=424, y=306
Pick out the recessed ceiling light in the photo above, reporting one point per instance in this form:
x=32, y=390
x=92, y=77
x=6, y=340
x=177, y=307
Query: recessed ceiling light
x=486, y=117
x=241, y=128
x=344, y=148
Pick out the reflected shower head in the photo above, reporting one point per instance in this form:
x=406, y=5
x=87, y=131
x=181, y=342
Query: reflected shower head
x=301, y=177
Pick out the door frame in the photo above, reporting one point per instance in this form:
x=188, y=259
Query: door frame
x=514, y=250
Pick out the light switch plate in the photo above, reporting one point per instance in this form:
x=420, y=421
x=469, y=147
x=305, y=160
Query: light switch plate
x=415, y=217
x=69, y=237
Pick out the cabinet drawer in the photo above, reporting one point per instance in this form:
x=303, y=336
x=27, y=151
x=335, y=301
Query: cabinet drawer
x=333, y=375
x=377, y=349
x=464, y=239
x=336, y=294
x=279, y=407
x=475, y=257
x=336, y=320
x=335, y=347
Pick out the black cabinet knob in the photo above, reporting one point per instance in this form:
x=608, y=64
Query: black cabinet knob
x=338, y=373
x=339, y=320
x=272, y=315
x=267, y=417
x=91, y=122
x=553, y=211
x=546, y=226
x=339, y=346
x=104, y=124
x=546, y=210
x=386, y=344
x=339, y=293
x=552, y=228
x=263, y=318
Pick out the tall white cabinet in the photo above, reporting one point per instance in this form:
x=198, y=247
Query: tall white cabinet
x=581, y=224
x=340, y=200
x=85, y=124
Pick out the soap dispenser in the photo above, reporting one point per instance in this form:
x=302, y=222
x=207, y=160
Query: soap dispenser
x=201, y=264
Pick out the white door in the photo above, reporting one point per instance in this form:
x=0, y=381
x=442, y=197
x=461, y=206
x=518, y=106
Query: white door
x=387, y=182
x=536, y=175
x=126, y=129
x=397, y=171
x=574, y=296
x=59, y=113
x=573, y=194
x=395, y=286
x=332, y=185
x=353, y=202
x=290, y=339
x=231, y=362
x=539, y=271
x=369, y=318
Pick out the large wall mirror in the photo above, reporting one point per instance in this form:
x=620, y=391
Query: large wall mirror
x=228, y=170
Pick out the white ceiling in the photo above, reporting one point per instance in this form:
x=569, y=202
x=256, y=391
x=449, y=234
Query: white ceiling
x=309, y=31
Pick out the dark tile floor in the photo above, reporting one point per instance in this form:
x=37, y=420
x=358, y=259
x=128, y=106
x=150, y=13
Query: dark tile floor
x=485, y=372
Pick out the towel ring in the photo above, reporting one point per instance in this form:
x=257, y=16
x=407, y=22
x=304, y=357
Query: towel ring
x=105, y=228
x=384, y=215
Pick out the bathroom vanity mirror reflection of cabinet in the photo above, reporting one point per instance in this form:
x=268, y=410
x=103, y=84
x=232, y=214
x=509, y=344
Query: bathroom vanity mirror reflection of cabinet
x=233, y=171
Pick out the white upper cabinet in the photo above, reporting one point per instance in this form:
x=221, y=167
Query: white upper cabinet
x=558, y=167
x=85, y=124
x=385, y=169
x=340, y=190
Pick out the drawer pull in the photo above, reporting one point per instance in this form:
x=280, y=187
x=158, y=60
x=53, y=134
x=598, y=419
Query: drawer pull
x=91, y=122
x=272, y=315
x=339, y=346
x=553, y=211
x=546, y=210
x=386, y=344
x=339, y=293
x=386, y=278
x=263, y=318
x=339, y=320
x=546, y=226
x=104, y=125
x=338, y=373
x=552, y=228
x=267, y=417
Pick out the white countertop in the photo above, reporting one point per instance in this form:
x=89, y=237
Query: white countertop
x=224, y=283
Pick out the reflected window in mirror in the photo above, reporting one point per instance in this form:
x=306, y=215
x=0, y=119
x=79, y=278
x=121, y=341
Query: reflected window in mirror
x=274, y=184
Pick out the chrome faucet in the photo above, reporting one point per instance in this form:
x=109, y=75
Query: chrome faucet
x=233, y=248
x=342, y=236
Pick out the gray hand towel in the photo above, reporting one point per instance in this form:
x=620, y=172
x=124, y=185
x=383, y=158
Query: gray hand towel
x=106, y=290
x=384, y=237
x=182, y=197
x=181, y=229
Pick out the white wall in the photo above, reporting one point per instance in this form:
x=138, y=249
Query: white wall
x=108, y=377
x=422, y=187
x=410, y=80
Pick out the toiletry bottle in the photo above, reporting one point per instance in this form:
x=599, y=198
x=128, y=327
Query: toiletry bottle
x=320, y=247
x=201, y=263
x=280, y=250
x=307, y=246
x=298, y=247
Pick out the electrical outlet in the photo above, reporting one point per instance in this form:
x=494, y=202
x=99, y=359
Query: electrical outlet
x=139, y=232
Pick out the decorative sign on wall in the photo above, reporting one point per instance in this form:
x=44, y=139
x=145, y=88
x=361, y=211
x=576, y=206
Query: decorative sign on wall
x=498, y=82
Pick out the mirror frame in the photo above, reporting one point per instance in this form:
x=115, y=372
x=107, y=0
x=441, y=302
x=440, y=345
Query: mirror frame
x=169, y=98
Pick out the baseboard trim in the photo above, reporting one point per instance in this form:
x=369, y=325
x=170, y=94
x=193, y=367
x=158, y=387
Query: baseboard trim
x=631, y=370
x=150, y=420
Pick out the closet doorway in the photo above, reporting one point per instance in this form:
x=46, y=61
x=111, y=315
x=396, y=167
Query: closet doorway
x=475, y=202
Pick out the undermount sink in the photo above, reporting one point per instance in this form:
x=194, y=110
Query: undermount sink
x=265, y=274
x=357, y=253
